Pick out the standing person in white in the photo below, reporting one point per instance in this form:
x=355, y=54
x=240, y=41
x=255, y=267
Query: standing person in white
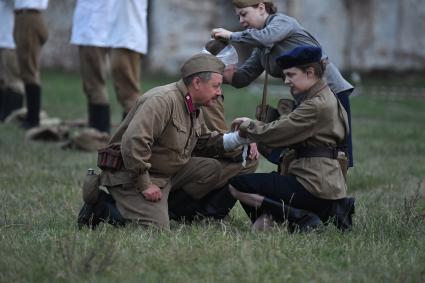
x=11, y=86
x=116, y=29
x=30, y=34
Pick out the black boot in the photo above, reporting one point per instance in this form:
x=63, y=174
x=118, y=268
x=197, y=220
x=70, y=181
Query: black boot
x=10, y=101
x=33, y=95
x=341, y=213
x=99, y=117
x=217, y=204
x=181, y=206
x=86, y=217
x=298, y=219
x=104, y=210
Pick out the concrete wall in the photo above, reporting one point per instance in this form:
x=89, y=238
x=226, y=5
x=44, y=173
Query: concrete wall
x=357, y=34
x=58, y=53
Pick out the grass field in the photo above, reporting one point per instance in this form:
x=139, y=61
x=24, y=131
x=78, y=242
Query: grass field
x=40, y=198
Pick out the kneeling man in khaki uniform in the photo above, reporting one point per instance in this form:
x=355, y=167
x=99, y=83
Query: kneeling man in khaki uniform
x=187, y=206
x=155, y=143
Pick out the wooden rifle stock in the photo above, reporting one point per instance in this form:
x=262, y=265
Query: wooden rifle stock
x=263, y=114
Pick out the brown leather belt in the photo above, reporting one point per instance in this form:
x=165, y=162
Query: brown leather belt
x=27, y=11
x=306, y=152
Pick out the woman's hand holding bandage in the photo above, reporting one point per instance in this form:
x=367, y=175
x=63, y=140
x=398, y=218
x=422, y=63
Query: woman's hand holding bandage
x=237, y=123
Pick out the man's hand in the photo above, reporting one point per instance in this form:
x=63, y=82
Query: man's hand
x=253, y=154
x=152, y=193
x=221, y=33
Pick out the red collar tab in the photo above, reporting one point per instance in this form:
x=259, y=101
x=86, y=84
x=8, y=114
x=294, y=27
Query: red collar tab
x=189, y=103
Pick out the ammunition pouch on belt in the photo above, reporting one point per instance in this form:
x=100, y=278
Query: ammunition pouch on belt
x=306, y=152
x=109, y=158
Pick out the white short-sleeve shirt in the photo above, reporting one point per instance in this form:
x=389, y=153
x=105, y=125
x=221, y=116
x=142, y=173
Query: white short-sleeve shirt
x=31, y=4
x=111, y=23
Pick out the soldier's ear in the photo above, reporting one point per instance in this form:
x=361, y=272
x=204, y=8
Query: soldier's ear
x=196, y=82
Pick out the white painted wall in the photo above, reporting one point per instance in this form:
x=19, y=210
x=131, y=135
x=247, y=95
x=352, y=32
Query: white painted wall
x=357, y=34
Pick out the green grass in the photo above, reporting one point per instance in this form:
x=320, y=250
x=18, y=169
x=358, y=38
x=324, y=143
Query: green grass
x=40, y=198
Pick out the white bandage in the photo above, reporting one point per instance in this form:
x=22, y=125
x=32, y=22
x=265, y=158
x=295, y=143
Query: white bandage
x=244, y=154
x=228, y=55
x=233, y=140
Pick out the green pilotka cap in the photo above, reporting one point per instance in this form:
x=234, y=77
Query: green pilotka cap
x=248, y=3
x=202, y=63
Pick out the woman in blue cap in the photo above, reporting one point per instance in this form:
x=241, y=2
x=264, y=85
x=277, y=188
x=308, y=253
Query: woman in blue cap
x=271, y=34
x=314, y=179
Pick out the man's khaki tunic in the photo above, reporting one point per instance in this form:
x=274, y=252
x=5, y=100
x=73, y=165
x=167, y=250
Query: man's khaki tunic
x=157, y=139
x=317, y=121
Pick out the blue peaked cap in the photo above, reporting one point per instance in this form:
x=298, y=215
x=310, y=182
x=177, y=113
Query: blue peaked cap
x=299, y=56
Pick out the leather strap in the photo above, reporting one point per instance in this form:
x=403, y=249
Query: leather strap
x=306, y=152
x=263, y=115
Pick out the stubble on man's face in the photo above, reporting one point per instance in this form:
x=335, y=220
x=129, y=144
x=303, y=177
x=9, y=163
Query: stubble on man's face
x=210, y=90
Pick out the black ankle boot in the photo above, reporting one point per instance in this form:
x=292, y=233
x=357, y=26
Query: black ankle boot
x=86, y=217
x=104, y=210
x=217, y=204
x=10, y=101
x=99, y=117
x=33, y=95
x=181, y=206
x=341, y=213
x=298, y=219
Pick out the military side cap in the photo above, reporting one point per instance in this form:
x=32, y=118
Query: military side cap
x=88, y=139
x=202, y=63
x=248, y=3
x=299, y=56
